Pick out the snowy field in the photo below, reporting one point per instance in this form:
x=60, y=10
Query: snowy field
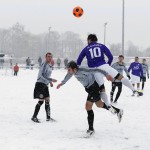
x=18, y=132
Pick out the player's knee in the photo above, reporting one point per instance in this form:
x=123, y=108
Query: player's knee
x=100, y=104
x=88, y=106
x=40, y=102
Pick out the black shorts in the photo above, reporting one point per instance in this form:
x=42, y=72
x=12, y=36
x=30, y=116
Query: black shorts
x=119, y=84
x=41, y=91
x=93, y=92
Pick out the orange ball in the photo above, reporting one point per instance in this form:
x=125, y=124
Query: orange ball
x=78, y=11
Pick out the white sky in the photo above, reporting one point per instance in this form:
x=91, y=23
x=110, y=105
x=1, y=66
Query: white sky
x=38, y=15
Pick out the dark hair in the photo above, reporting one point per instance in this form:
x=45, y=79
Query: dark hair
x=136, y=57
x=144, y=59
x=92, y=37
x=72, y=64
x=48, y=54
x=121, y=56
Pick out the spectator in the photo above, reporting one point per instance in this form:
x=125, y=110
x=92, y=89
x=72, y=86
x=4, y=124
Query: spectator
x=40, y=61
x=65, y=62
x=11, y=62
x=28, y=62
x=16, y=69
x=58, y=62
x=52, y=63
x=32, y=64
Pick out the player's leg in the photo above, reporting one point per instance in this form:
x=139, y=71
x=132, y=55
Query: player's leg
x=37, y=109
x=117, y=111
x=111, y=71
x=138, y=86
x=47, y=108
x=90, y=113
x=112, y=91
x=119, y=84
x=143, y=82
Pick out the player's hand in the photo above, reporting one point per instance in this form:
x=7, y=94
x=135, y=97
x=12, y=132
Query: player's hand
x=129, y=77
x=51, y=84
x=54, y=80
x=109, y=78
x=59, y=85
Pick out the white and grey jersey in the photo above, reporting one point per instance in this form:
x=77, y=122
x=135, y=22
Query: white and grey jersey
x=45, y=72
x=120, y=68
x=85, y=76
x=145, y=70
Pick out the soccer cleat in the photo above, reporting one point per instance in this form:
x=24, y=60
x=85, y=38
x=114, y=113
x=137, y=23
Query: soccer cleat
x=140, y=93
x=51, y=119
x=35, y=120
x=119, y=115
x=89, y=133
x=112, y=110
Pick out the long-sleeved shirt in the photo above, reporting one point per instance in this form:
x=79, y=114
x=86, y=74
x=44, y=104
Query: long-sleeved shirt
x=94, y=53
x=45, y=73
x=136, y=68
x=85, y=76
x=120, y=68
x=145, y=70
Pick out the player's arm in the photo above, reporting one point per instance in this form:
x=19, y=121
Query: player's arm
x=141, y=69
x=80, y=58
x=43, y=75
x=147, y=70
x=130, y=68
x=67, y=77
x=108, y=54
x=126, y=71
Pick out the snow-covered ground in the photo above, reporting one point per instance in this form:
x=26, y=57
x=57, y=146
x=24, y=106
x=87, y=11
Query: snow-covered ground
x=18, y=132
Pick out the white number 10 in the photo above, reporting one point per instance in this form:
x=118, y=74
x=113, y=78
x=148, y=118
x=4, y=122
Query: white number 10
x=95, y=52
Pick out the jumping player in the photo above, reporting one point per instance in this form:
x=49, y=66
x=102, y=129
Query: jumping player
x=120, y=66
x=94, y=53
x=41, y=90
x=95, y=91
x=145, y=71
x=137, y=73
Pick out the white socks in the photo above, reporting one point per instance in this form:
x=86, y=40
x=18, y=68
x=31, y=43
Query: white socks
x=105, y=98
x=127, y=83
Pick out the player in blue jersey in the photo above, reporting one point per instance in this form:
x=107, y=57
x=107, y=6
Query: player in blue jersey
x=137, y=73
x=95, y=54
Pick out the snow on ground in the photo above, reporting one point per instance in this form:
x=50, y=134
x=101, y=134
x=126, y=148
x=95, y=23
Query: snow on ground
x=18, y=132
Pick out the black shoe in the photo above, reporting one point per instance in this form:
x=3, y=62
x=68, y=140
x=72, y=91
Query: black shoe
x=90, y=132
x=35, y=120
x=140, y=93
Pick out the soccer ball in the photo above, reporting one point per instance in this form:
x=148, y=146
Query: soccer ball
x=78, y=11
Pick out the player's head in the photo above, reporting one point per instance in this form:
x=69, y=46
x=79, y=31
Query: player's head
x=48, y=57
x=72, y=67
x=92, y=38
x=144, y=61
x=136, y=59
x=121, y=58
